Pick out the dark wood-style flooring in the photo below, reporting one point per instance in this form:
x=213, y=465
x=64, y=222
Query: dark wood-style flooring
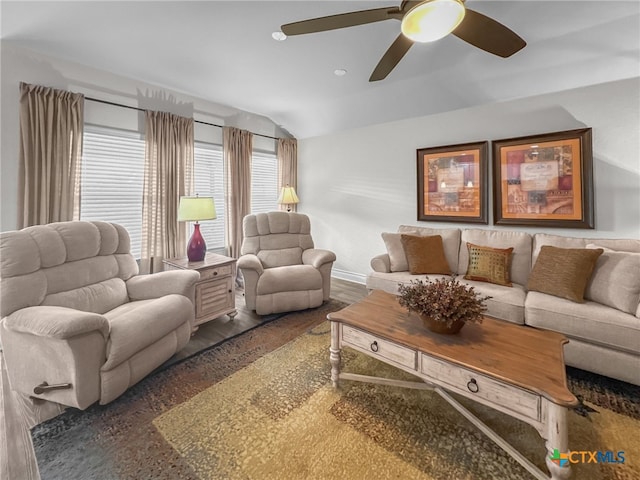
x=218, y=330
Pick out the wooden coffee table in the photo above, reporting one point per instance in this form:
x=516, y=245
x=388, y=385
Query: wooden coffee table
x=514, y=369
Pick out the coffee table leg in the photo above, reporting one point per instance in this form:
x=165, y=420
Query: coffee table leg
x=557, y=442
x=334, y=353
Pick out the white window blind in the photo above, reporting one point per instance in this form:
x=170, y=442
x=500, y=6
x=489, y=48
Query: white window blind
x=113, y=174
x=208, y=181
x=264, y=182
x=112, y=180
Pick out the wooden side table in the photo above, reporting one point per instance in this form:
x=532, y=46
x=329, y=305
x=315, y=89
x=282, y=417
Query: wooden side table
x=215, y=291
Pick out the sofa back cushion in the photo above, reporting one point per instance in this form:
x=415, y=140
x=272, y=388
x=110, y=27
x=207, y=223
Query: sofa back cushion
x=81, y=265
x=621, y=244
x=521, y=243
x=276, y=238
x=450, y=241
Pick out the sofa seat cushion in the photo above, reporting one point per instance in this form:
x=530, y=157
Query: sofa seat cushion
x=136, y=325
x=290, y=278
x=506, y=303
x=589, y=321
x=388, y=282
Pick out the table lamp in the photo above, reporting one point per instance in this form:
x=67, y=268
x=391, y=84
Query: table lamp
x=196, y=209
x=288, y=197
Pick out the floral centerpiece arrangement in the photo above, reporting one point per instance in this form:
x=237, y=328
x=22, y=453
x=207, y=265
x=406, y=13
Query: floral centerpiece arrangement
x=444, y=304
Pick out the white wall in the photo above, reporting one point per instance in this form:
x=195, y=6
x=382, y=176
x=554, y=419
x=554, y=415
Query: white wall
x=359, y=183
x=20, y=65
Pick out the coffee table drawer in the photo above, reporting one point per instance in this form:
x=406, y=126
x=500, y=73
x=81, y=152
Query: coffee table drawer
x=480, y=387
x=376, y=347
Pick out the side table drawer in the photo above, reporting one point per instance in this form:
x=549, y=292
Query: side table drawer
x=215, y=272
x=480, y=387
x=376, y=347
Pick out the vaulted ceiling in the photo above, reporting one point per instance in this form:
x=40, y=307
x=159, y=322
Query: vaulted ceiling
x=223, y=52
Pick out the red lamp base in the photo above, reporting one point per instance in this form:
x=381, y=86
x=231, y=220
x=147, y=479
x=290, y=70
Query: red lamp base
x=196, y=249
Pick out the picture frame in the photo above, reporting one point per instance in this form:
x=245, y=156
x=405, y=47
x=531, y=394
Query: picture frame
x=452, y=183
x=544, y=180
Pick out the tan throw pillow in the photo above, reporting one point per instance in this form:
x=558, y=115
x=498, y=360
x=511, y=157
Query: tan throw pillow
x=492, y=265
x=397, y=258
x=563, y=272
x=425, y=254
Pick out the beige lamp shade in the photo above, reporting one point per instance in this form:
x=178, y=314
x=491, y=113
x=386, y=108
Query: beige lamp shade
x=196, y=208
x=288, y=196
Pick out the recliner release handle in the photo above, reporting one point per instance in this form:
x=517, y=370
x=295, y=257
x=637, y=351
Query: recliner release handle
x=45, y=387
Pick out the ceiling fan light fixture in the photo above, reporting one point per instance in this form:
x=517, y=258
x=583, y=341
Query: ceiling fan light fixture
x=432, y=20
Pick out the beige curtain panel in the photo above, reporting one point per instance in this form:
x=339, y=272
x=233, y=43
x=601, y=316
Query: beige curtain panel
x=288, y=166
x=237, y=148
x=168, y=175
x=51, y=126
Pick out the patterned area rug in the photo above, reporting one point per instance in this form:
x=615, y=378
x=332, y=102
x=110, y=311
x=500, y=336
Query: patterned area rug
x=250, y=410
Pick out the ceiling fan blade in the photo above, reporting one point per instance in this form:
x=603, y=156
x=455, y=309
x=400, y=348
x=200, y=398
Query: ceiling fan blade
x=342, y=20
x=489, y=35
x=390, y=59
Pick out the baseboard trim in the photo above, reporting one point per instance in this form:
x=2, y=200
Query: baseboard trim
x=349, y=276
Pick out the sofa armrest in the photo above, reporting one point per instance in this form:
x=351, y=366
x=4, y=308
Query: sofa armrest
x=250, y=261
x=156, y=285
x=381, y=263
x=56, y=322
x=317, y=257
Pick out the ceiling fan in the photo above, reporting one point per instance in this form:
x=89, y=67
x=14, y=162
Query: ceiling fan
x=422, y=21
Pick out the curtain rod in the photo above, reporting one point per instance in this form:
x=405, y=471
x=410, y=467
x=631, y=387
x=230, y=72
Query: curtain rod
x=106, y=102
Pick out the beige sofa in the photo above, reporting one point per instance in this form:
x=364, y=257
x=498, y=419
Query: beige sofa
x=75, y=314
x=604, y=331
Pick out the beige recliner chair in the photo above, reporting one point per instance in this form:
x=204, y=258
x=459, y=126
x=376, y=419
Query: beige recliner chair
x=281, y=269
x=78, y=324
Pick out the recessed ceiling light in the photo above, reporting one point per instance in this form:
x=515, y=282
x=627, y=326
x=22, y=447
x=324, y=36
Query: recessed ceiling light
x=279, y=36
x=340, y=72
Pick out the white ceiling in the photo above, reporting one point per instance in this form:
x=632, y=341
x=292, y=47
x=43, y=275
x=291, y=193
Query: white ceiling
x=223, y=52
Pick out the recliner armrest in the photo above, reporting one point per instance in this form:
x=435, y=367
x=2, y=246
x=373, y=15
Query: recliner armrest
x=56, y=322
x=317, y=257
x=250, y=262
x=156, y=285
x=381, y=263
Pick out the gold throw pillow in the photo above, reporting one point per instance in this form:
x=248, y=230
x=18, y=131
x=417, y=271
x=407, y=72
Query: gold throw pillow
x=425, y=254
x=563, y=272
x=492, y=265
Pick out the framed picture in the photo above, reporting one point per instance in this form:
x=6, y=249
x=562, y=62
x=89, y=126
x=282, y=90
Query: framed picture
x=544, y=180
x=452, y=183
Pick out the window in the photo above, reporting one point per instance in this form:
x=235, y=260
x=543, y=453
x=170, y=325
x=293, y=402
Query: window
x=113, y=177
x=264, y=182
x=112, y=180
x=208, y=181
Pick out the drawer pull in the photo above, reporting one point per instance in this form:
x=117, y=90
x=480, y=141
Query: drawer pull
x=472, y=385
x=374, y=346
x=215, y=273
